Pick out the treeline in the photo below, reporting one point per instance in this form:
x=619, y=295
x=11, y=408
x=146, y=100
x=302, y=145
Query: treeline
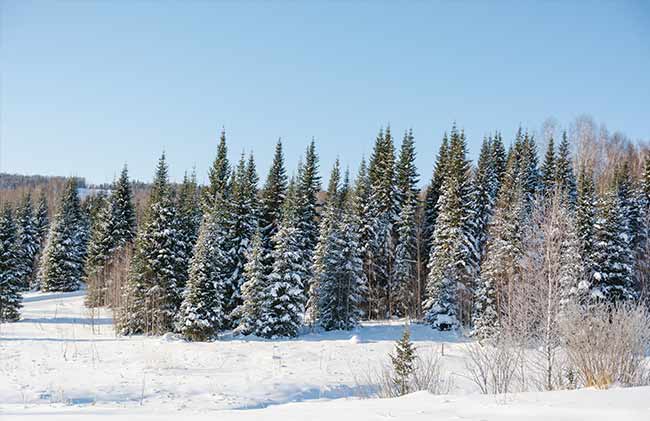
x=469, y=251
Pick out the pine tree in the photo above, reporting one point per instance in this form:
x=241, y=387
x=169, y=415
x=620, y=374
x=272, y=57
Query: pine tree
x=433, y=195
x=42, y=220
x=528, y=164
x=500, y=267
x=565, y=178
x=499, y=161
x=403, y=361
x=452, y=264
x=248, y=314
x=308, y=187
x=218, y=175
x=407, y=175
x=28, y=242
x=548, y=170
x=189, y=220
x=613, y=276
x=202, y=309
x=483, y=195
x=631, y=208
x=405, y=276
x=63, y=257
x=242, y=228
x=284, y=297
x=152, y=294
x=586, y=220
x=271, y=201
x=10, y=283
x=384, y=212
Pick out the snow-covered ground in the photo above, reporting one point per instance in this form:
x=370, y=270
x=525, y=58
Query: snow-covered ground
x=64, y=361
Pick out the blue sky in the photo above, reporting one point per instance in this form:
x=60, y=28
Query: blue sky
x=90, y=85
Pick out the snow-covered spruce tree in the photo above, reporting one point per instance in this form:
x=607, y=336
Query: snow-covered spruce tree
x=309, y=185
x=283, y=303
x=631, y=208
x=151, y=296
x=28, y=242
x=432, y=196
x=548, y=170
x=242, y=228
x=452, y=264
x=115, y=228
x=271, y=205
x=384, y=211
x=613, y=257
x=645, y=183
x=331, y=213
x=42, y=219
x=10, y=284
x=482, y=202
x=189, y=220
x=405, y=271
x=499, y=162
x=218, y=175
x=586, y=221
x=529, y=168
x=63, y=258
x=248, y=315
x=407, y=174
x=564, y=175
x=403, y=361
x=500, y=267
x=202, y=310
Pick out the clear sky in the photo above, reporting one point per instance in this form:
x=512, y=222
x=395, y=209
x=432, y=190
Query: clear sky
x=90, y=85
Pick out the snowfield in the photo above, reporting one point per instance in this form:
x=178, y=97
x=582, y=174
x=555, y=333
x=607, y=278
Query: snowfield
x=63, y=361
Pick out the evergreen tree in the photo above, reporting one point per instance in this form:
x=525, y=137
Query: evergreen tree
x=202, y=309
x=452, y=264
x=271, y=201
x=28, y=242
x=10, y=283
x=586, y=221
x=308, y=187
x=565, y=178
x=613, y=276
x=403, y=361
x=63, y=257
x=528, y=165
x=407, y=175
x=499, y=161
x=248, y=314
x=189, y=221
x=384, y=212
x=646, y=182
x=405, y=276
x=549, y=171
x=218, y=175
x=242, y=228
x=284, y=299
x=42, y=219
x=631, y=208
x=432, y=196
x=152, y=294
x=483, y=195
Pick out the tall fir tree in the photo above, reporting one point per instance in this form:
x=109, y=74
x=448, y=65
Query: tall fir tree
x=28, y=242
x=42, y=218
x=452, y=264
x=152, y=294
x=249, y=315
x=242, y=228
x=384, y=209
x=483, y=195
x=218, y=175
x=433, y=195
x=271, y=203
x=284, y=296
x=309, y=185
x=405, y=277
x=586, y=221
x=407, y=174
x=548, y=170
x=10, y=283
x=564, y=175
x=63, y=258
x=613, y=255
x=201, y=313
x=189, y=221
x=499, y=161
